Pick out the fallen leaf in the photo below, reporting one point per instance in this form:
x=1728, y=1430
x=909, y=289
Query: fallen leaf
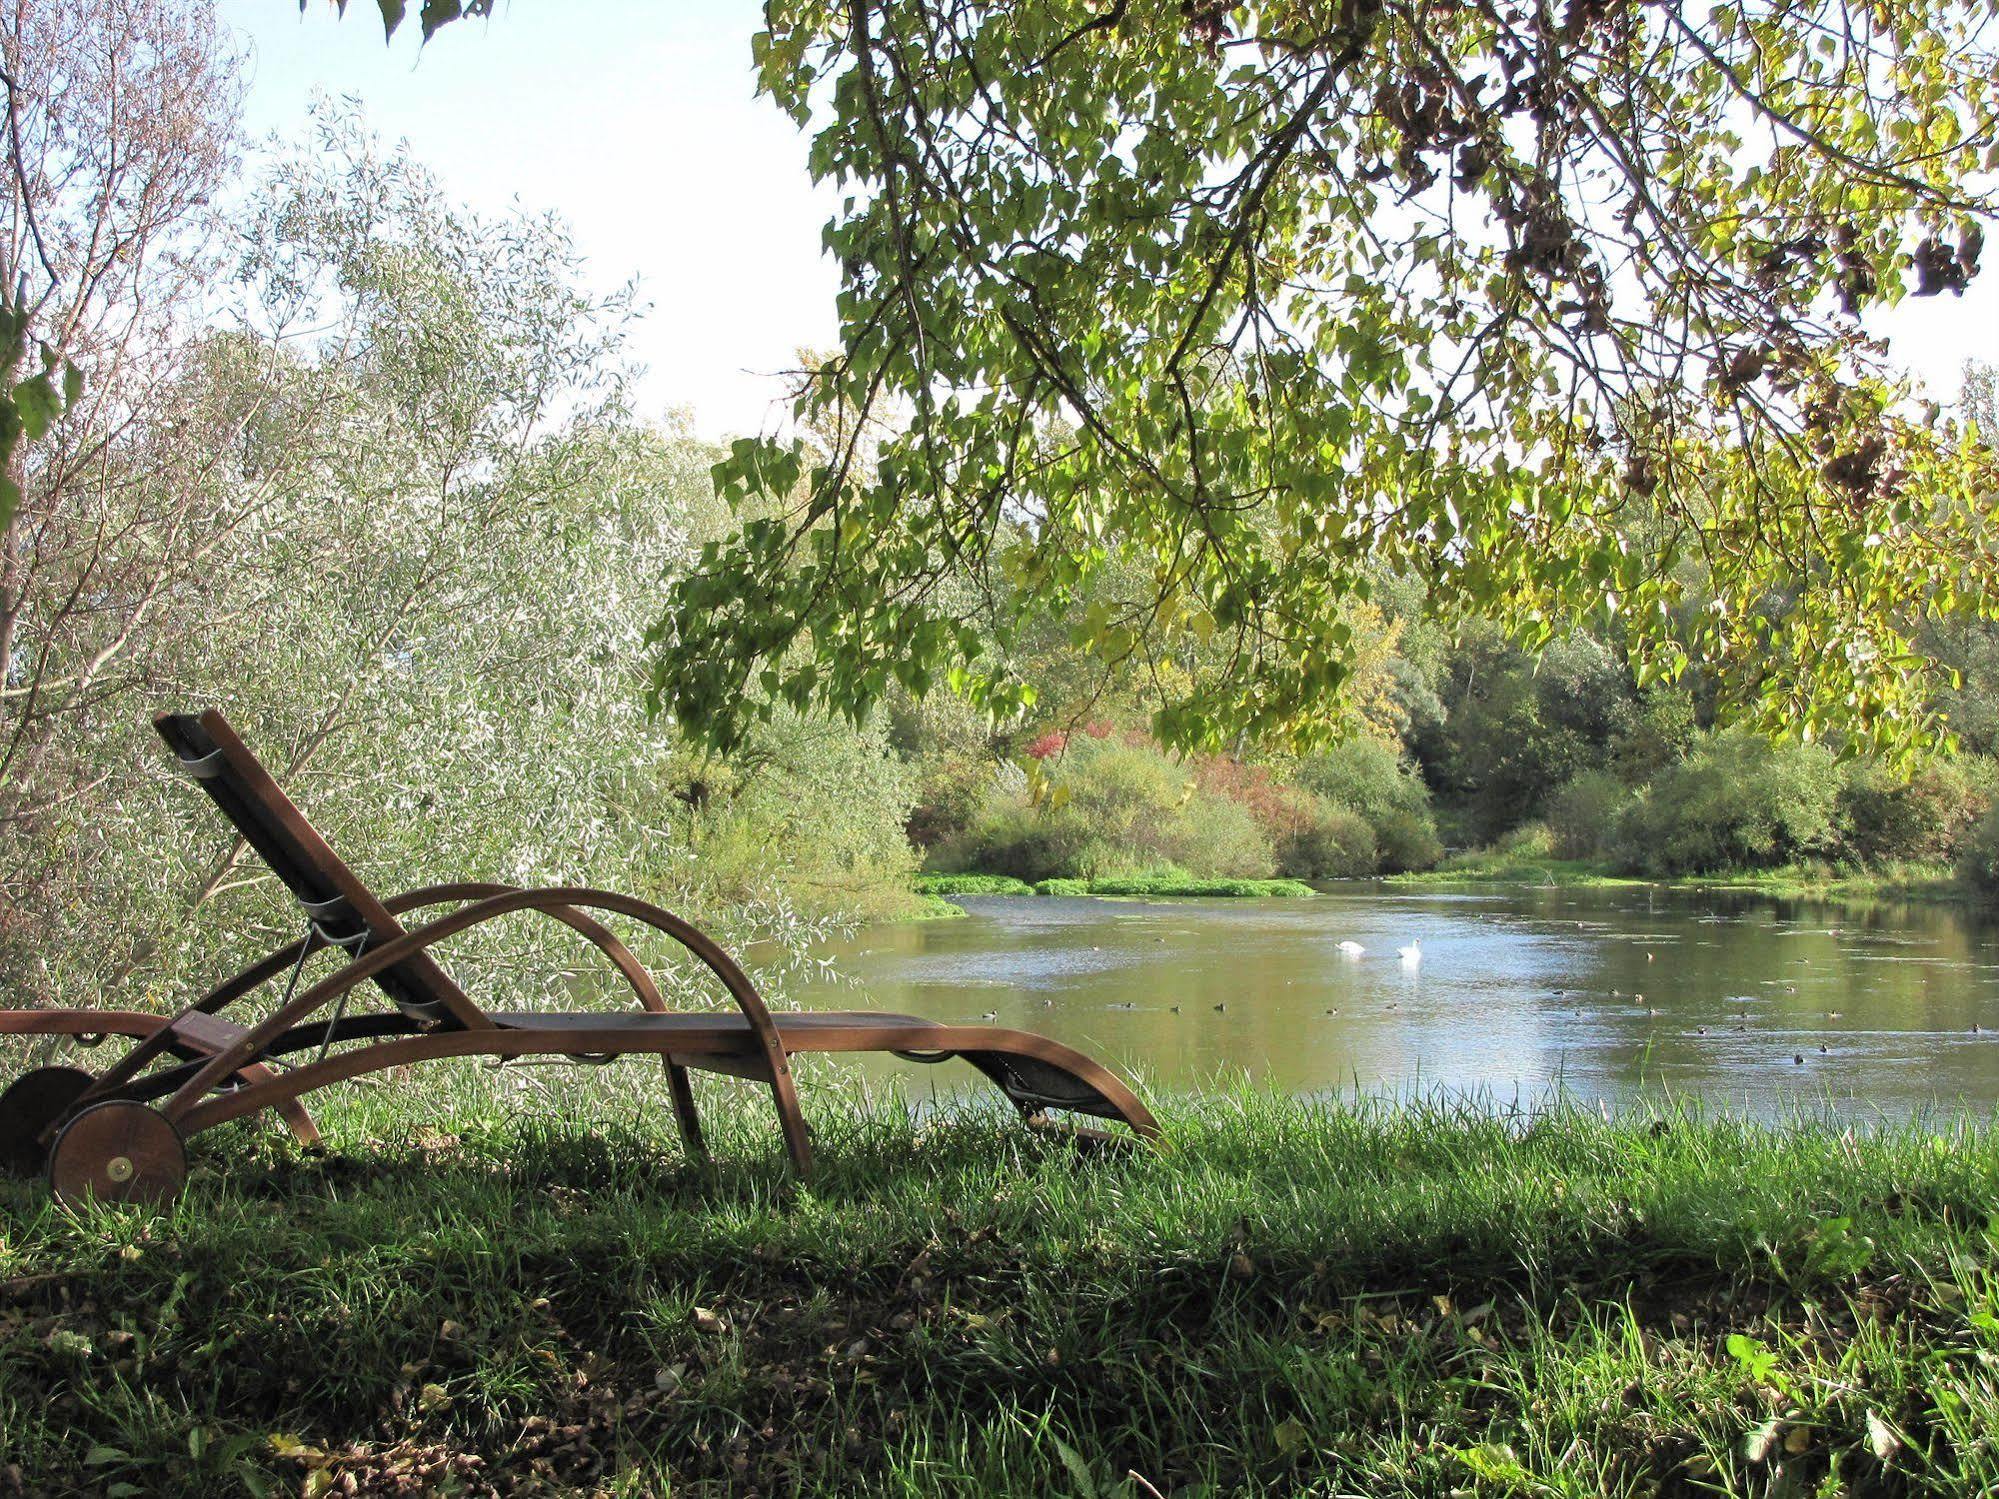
x=1881, y=1438
x=709, y=1322
x=1761, y=1442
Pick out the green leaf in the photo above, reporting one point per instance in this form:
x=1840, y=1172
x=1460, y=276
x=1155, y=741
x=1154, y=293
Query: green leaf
x=38, y=404
x=438, y=13
x=1078, y=1470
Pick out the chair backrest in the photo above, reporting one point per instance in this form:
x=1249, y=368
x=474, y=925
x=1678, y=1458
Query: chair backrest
x=344, y=910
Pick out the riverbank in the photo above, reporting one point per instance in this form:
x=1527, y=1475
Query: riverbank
x=1292, y=1299
x=1504, y=867
x=1489, y=867
x=945, y=885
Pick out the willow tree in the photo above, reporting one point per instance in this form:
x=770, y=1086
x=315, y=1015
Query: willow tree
x=1558, y=308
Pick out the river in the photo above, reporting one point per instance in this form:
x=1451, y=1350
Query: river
x=1753, y=1003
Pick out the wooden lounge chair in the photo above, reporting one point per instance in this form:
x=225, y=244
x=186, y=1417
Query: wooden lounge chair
x=119, y=1134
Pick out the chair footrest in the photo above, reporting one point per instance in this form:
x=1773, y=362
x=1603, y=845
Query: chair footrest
x=1033, y=1084
x=209, y=1035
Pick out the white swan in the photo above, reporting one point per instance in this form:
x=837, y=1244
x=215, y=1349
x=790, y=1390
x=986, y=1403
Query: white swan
x=1352, y=949
x=1413, y=953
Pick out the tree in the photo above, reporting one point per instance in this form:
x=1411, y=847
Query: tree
x=429, y=617
x=120, y=126
x=1255, y=299
x=1979, y=401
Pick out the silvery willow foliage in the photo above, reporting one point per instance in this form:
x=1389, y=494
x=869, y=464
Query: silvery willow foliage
x=427, y=615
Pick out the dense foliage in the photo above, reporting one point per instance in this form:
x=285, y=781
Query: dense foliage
x=387, y=506
x=1469, y=740
x=1560, y=316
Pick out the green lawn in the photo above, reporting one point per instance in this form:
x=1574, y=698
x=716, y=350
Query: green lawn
x=513, y=1283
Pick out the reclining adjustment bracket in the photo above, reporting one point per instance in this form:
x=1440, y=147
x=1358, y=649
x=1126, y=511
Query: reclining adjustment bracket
x=319, y=912
x=203, y=767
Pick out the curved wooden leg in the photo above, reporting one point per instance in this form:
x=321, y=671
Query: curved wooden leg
x=295, y=1115
x=790, y=1118
x=684, y=1111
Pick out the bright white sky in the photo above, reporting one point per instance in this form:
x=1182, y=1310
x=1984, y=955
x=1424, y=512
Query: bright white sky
x=637, y=120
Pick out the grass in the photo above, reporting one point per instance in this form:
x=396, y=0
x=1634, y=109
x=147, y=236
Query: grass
x=931, y=907
x=1176, y=885
x=1515, y=867
x=1897, y=882
x=934, y=886
x=471, y=1297
x=971, y=884
x=1518, y=867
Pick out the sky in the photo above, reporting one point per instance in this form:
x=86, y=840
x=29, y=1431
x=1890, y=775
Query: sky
x=638, y=121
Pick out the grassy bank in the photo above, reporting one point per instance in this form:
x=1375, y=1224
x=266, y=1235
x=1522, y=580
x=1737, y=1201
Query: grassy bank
x=1151, y=884
x=1509, y=867
x=1292, y=1300
x=1179, y=885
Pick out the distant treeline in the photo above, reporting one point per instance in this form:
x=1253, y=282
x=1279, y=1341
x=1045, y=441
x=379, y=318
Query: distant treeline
x=1461, y=741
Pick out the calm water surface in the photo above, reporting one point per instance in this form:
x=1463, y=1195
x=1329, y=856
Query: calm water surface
x=1611, y=995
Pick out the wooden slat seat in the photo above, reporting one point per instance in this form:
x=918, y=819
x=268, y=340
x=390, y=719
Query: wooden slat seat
x=802, y=1024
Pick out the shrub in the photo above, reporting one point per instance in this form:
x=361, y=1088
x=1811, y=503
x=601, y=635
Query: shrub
x=948, y=798
x=1583, y=814
x=1012, y=836
x=1223, y=838
x=1373, y=779
x=1327, y=842
x=1737, y=803
x=1406, y=841
x=1531, y=840
x=1920, y=818
x=1979, y=859
x=1368, y=776
x=1127, y=794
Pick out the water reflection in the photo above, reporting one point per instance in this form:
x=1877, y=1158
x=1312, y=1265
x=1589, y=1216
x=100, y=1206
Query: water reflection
x=1609, y=994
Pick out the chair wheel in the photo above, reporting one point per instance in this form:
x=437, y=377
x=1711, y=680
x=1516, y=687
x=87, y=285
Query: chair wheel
x=118, y=1151
x=31, y=1103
